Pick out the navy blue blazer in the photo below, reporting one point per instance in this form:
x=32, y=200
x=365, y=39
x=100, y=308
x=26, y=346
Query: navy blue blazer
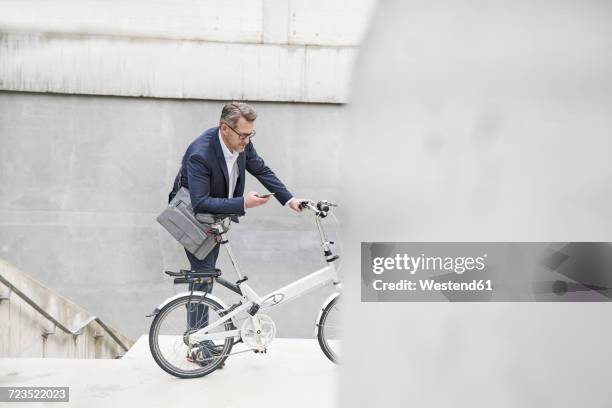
x=204, y=173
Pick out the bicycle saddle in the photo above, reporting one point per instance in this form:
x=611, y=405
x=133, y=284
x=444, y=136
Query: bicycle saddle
x=202, y=273
x=213, y=218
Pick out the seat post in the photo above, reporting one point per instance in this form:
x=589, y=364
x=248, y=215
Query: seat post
x=226, y=244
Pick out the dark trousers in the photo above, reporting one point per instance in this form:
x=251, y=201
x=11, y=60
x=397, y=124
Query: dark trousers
x=197, y=314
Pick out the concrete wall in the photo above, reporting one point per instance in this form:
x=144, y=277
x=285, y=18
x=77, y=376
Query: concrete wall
x=266, y=50
x=24, y=332
x=82, y=179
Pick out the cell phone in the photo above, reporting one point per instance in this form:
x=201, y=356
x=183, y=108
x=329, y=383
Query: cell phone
x=264, y=195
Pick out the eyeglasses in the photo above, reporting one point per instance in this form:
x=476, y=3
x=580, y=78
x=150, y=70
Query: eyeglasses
x=242, y=136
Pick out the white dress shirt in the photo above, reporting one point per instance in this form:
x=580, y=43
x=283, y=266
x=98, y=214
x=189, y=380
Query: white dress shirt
x=231, y=161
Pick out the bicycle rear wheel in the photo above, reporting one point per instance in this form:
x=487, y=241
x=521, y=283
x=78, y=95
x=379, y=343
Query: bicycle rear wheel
x=328, y=329
x=169, y=344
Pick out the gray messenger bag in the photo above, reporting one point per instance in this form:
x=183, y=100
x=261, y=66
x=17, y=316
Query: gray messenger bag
x=180, y=221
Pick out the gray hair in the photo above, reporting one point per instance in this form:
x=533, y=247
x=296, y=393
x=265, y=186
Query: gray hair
x=235, y=110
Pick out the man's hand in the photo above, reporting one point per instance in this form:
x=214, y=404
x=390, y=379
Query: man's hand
x=251, y=200
x=294, y=203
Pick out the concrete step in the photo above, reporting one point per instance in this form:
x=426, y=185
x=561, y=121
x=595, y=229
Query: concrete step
x=294, y=373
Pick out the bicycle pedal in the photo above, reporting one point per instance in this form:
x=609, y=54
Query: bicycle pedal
x=262, y=351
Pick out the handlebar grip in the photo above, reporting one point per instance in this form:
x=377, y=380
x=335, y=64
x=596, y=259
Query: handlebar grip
x=320, y=209
x=321, y=206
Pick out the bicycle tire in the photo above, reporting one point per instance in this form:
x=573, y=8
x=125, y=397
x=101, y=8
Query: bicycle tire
x=323, y=335
x=154, y=337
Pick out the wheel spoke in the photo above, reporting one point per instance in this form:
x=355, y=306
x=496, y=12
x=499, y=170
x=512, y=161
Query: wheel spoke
x=169, y=328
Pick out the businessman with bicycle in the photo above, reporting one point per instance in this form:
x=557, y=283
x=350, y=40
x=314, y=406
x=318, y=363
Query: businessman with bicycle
x=213, y=170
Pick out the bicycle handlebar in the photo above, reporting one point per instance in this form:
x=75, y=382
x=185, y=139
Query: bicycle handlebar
x=320, y=209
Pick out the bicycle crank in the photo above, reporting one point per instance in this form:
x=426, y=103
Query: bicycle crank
x=258, y=331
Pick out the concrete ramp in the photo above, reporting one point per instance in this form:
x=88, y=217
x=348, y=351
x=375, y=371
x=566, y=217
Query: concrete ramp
x=293, y=373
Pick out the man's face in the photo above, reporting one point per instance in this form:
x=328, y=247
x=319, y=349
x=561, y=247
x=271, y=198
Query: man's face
x=233, y=138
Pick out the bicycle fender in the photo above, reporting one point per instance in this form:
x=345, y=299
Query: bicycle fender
x=178, y=295
x=322, y=308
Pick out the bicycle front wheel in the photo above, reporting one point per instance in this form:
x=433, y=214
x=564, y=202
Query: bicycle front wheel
x=169, y=337
x=328, y=329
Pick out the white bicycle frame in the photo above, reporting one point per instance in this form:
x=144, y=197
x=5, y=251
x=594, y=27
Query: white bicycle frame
x=250, y=299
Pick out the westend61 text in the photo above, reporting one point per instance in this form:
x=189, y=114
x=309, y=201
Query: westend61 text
x=432, y=285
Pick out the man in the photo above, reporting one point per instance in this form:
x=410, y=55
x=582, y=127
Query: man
x=213, y=170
